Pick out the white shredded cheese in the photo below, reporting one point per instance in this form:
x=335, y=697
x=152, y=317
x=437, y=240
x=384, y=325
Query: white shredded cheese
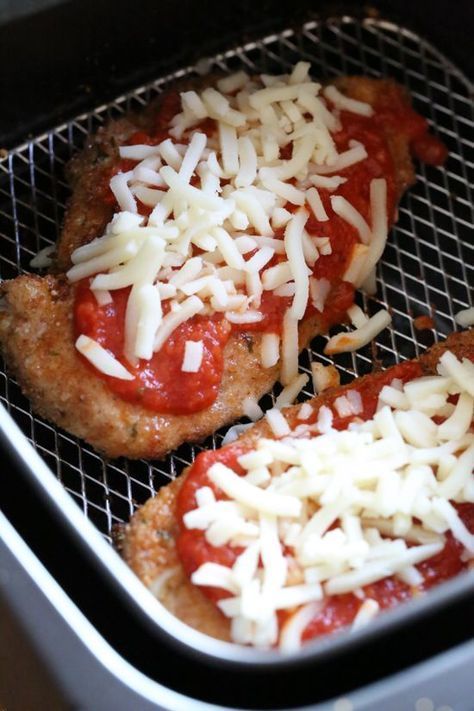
x=193, y=354
x=300, y=73
x=379, y=228
x=355, y=401
x=357, y=317
x=292, y=631
x=192, y=156
x=249, y=495
x=122, y=193
x=277, y=422
x=465, y=318
x=287, y=191
x=276, y=276
x=461, y=373
x=189, y=308
x=305, y=411
x=333, y=183
x=270, y=349
x=344, y=209
x=102, y=296
x=289, y=348
x=42, y=260
x=347, y=342
x=319, y=290
x=259, y=259
x=149, y=316
x=246, y=317
x=366, y=612
x=316, y=204
x=356, y=265
x=252, y=409
x=344, y=160
x=291, y=391
x=137, y=152
x=193, y=103
x=229, y=149
x=296, y=260
x=247, y=163
x=102, y=359
x=234, y=432
x=280, y=217
x=232, y=83
x=324, y=377
x=345, y=103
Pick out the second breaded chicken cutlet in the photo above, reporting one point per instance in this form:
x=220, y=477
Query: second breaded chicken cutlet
x=167, y=540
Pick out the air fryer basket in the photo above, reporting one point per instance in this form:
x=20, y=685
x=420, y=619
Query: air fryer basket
x=426, y=271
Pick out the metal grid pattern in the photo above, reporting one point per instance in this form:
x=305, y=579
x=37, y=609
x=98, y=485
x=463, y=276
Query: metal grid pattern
x=427, y=267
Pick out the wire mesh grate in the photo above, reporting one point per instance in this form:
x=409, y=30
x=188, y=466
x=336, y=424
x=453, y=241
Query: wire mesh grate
x=427, y=268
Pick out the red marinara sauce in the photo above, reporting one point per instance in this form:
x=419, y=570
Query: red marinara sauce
x=338, y=610
x=160, y=385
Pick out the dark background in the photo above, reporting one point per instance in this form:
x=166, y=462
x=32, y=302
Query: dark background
x=73, y=54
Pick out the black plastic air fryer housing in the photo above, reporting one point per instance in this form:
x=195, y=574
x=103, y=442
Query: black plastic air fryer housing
x=101, y=652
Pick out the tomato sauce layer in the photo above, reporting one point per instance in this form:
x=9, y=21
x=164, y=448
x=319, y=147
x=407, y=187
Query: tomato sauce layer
x=339, y=610
x=160, y=385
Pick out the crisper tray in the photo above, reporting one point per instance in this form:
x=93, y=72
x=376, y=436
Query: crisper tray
x=427, y=268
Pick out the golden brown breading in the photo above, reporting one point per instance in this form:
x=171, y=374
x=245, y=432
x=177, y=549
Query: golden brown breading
x=36, y=330
x=149, y=543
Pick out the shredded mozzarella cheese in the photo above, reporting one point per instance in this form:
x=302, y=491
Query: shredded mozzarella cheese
x=224, y=194
x=365, y=486
x=344, y=209
x=102, y=359
x=296, y=260
x=42, y=260
x=290, y=349
x=193, y=354
x=270, y=349
x=277, y=422
x=345, y=104
x=347, y=342
x=252, y=409
x=289, y=393
x=465, y=318
x=357, y=317
x=367, y=611
x=324, y=377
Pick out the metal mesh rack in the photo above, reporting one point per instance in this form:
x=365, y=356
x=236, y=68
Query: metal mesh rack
x=427, y=268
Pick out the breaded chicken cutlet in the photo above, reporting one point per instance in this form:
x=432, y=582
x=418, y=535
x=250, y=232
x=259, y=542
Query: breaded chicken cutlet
x=119, y=405
x=165, y=550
